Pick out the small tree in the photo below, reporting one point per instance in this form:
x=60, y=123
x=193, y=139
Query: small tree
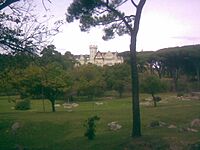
x=152, y=85
x=90, y=127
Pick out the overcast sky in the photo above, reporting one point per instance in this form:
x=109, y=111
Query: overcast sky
x=164, y=23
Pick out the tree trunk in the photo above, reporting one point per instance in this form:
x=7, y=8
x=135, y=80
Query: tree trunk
x=120, y=93
x=154, y=100
x=53, y=105
x=175, y=75
x=198, y=78
x=159, y=71
x=136, y=129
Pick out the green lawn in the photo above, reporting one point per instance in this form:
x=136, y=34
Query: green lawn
x=64, y=130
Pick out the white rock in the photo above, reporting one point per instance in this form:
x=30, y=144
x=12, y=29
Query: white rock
x=15, y=127
x=114, y=126
x=172, y=126
x=195, y=123
x=99, y=103
x=57, y=105
x=68, y=106
x=161, y=123
x=148, y=99
x=64, y=104
x=75, y=105
x=192, y=130
x=146, y=103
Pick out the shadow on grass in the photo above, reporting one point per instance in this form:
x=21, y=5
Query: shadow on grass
x=147, y=143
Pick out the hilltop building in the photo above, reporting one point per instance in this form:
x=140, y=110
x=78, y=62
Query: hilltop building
x=100, y=58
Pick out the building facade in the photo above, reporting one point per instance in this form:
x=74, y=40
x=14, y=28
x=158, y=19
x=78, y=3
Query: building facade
x=100, y=58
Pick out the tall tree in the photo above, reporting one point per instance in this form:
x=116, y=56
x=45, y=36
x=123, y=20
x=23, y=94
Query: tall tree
x=107, y=13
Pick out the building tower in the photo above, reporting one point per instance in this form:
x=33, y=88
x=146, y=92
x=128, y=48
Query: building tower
x=93, y=51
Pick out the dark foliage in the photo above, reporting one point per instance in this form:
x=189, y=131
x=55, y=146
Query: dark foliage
x=90, y=125
x=23, y=104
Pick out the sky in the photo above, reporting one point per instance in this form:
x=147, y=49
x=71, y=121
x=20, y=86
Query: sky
x=164, y=23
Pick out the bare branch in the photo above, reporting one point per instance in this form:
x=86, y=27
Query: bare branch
x=44, y=5
x=134, y=3
x=20, y=31
x=7, y=3
x=107, y=1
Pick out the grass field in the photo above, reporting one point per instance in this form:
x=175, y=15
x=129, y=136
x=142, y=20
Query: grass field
x=64, y=130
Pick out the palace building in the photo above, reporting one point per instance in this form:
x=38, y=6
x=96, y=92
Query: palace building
x=100, y=58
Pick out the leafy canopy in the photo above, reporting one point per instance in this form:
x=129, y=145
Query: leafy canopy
x=107, y=13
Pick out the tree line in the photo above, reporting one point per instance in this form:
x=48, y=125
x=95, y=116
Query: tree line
x=55, y=76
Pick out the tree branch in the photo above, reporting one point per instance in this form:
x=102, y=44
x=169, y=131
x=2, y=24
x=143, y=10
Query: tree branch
x=138, y=16
x=45, y=5
x=118, y=14
x=7, y=3
x=121, y=3
x=134, y=3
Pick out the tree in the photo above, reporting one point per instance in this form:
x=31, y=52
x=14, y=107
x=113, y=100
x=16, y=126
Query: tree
x=117, y=77
x=152, y=85
x=92, y=13
x=53, y=84
x=10, y=68
x=49, y=55
x=89, y=80
x=21, y=30
x=49, y=81
x=143, y=64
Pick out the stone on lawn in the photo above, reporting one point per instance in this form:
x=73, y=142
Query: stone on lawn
x=172, y=126
x=15, y=127
x=114, y=126
x=57, y=105
x=192, y=130
x=154, y=124
x=75, y=105
x=187, y=130
x=99, y=103
x=68, y=106
x=195, y=123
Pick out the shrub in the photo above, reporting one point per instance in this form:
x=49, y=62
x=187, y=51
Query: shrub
x=194, y=146
x=180, y=94
x=157, y=98
x=90, y=125
x=23, y=104
x=154, y=124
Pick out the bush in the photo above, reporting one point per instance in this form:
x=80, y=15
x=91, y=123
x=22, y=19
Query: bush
x=194, y=146
x=90, y=127
x=154, y=124
x=180, y=94
x=157, y=98
x=23, y=104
